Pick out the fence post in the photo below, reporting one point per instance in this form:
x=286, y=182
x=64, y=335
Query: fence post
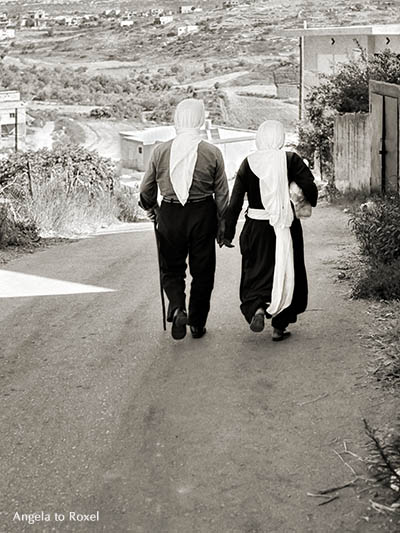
x=28, y=166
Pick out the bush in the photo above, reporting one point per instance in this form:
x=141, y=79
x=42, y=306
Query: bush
x=126, y=199
x=15, y=231
x=377, y=229
x=379, y=281
x=57, y=213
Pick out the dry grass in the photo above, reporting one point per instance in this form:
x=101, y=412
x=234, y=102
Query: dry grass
x=57, y=214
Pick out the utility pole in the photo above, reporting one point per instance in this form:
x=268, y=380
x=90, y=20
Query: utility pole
x=301, y=73
x=16, y=130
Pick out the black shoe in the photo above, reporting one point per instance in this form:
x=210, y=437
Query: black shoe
x=257, y=322
x=178, y=330
x=280, y=334
x=197, y=332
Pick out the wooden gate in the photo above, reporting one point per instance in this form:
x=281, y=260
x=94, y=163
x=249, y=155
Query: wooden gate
x=385, y=139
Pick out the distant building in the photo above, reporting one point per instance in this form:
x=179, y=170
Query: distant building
x=39, y=19
x=137, y=146
x=186, y=9
x=163, y=20
x=187, y=30
x=231, y=3
x=323, y=49
x=156, y=12
x=126, y=23
x=7, y=34
x=12, y=117
x=286, y=80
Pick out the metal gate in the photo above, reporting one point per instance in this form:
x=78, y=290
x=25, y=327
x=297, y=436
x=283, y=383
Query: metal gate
x=385, y=138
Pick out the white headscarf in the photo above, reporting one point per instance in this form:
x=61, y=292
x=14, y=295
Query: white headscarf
x=189, y=117
x=269, y=164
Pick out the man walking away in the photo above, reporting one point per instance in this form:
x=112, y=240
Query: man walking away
x=190, y=175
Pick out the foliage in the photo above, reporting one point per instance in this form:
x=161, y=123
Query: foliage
x=13, y=230
x=126, y=199
x=120, y=98
x=64, y=191
x=76, y=168
x=346, y=91
x=377, y=229
x=378, y=281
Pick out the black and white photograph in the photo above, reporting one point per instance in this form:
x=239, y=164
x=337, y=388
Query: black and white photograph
x=199, y=266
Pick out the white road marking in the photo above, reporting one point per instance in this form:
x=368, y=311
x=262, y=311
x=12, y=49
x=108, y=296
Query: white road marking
x=17, y=285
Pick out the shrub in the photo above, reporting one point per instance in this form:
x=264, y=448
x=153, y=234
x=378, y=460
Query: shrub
x=377, y=229
x=15, y=231
x=57, y=213
x=126, y=199
x=379, y=281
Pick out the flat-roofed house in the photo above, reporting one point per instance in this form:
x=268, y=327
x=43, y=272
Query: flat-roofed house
x=286, y=80
x=186, y=9
x=7, y=33
x=137, y=146
x=126, y=23
x=163, y=20
x=323, y=49
x=187, y=30
x=12, y=118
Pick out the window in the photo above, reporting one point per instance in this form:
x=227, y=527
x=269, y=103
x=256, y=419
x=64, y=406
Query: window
x=7, y=130
x=140, y=150
x=12, y=115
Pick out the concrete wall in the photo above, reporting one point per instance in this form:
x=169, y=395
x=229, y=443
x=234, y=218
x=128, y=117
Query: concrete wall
x=322, y=53
x=287, y=91
x=321, y=56
x=352, y=152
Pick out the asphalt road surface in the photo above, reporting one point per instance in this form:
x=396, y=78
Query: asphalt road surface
x=105, y=416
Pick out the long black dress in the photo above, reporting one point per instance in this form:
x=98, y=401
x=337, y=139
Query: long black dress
x=257, y=243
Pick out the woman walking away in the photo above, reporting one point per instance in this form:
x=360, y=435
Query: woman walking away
x=190, y=175
x=274, y=280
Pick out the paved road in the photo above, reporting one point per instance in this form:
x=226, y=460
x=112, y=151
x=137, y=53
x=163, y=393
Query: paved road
x=102, y=411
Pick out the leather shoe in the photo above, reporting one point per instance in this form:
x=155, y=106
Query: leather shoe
x=280, y=334
x=178, y=330
x=257, y=322
x=197, y=332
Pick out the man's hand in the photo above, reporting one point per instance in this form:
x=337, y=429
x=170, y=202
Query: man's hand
x=152, y=214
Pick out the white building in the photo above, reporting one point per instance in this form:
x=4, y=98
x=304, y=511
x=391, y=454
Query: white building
x=126, y=23
x=137, y=146
x=323, y=49
x=163, y=20
x=186, y=9
x=187, y=30
x=12, y=120
x=7, y=33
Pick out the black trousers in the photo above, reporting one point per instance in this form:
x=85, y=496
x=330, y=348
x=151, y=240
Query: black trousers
x=257, y=245
x=188, y=232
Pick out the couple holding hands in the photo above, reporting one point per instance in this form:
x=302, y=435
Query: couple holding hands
x=195, y=210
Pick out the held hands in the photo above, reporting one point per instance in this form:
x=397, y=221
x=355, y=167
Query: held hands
x=221, y=240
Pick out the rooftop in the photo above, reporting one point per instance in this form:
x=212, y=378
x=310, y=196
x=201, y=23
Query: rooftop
x=375, y=29
x=166, y=133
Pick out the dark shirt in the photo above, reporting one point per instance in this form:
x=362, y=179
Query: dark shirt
x=209, y=177
x=247, y=182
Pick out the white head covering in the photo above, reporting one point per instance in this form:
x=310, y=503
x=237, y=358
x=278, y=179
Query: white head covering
x=189, y=117
x=269, y=164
